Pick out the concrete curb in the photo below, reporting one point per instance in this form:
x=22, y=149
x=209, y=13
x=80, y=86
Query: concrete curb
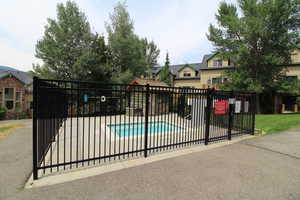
x=98, y=170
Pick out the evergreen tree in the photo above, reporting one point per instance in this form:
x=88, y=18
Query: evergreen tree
x=165, y=74
x=259, y=41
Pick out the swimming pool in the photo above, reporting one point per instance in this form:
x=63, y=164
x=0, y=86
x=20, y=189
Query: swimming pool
x=139, y=128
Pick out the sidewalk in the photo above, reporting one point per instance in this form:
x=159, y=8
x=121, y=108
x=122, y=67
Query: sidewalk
x=262, y=168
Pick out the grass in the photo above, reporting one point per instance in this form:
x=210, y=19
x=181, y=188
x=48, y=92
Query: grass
x=277, y=123
x=6, y=129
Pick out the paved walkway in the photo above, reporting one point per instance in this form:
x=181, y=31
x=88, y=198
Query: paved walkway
x=262, y=168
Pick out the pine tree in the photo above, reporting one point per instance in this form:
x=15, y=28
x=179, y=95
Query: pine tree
x=259, y=40
x=165, y=74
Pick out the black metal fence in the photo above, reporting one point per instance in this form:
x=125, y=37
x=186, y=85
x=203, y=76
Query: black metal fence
x=79, y=123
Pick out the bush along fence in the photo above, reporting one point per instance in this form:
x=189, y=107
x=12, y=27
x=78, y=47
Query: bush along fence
x=78, y=123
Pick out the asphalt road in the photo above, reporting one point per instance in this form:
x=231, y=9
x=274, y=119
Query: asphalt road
x=262, y=168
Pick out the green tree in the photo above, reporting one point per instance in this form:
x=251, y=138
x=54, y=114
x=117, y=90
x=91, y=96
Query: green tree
x=258, y=41
x=93, y=64
x=68, y=49
x=130, y=55
x=165, y=74
x=150, y=53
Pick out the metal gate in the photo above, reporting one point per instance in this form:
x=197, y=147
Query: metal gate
x=78, y=123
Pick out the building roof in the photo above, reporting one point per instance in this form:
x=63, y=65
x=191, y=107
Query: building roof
x=175, y=69
x=155, y=70
x=24, y=77
x=6, y=68
x=207, y=57
x=140, y=81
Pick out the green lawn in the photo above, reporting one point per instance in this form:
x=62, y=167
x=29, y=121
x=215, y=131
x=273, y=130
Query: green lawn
x=277, y=123
x=2, y=129
x=6, y=129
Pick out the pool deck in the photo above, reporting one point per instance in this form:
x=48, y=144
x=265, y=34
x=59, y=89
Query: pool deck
x=86, y=138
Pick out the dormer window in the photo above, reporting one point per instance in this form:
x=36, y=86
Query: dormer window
x=217, y=63
x=186, y=74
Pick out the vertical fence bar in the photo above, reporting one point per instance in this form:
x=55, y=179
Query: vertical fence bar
x=230, y=117
x=208, y=111
x=34, y=128
x=146, y=121
x=254, y=109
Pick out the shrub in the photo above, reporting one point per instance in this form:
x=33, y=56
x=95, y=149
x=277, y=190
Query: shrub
x=2, y=113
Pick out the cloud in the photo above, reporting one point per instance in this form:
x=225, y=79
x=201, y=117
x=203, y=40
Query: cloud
x=13, y=57
x=176, y=26
x=24, y=26
x=24, y=23
x=180, y=28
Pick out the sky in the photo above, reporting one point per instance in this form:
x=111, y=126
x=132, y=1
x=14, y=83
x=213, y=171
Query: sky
x=176, y=26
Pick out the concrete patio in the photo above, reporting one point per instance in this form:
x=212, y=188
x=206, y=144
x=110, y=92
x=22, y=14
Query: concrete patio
x=90, y=137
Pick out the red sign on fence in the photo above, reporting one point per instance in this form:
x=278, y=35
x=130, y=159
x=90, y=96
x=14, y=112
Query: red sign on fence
x=221, y=107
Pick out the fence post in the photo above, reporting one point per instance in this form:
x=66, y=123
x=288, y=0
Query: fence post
x=254, y=109
x=207, y=114
x=146, y=120
x=230, y=117
x=34, y=128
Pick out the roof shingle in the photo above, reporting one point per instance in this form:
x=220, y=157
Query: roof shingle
x=24, y=77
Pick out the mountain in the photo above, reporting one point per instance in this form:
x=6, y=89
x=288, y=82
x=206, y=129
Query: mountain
x=5, y=68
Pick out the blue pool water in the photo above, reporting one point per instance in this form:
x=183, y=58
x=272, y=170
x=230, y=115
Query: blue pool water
x=139, y=128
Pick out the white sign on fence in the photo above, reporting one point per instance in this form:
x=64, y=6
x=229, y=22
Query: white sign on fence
x=238, y=105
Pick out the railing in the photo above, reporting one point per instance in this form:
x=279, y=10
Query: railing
x=78, y=123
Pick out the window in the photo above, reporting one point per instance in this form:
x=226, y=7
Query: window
x=217, y=63
x=9, y=93
x=18, y=100
x=9, y=98
x=186, y=74
x=18, y=96
x=216, y=81
x=9, y=105
x=209, y=81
